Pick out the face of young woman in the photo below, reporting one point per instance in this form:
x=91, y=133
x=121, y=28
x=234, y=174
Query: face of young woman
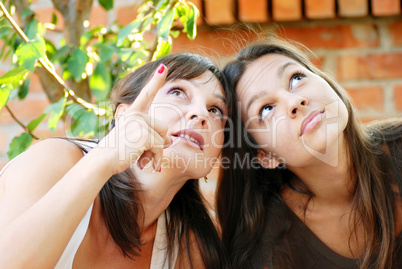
x=195, y=113
x=293, y=114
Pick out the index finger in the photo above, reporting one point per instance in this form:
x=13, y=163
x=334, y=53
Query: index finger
x=147, y=94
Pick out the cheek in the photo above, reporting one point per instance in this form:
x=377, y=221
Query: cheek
x=165, y=112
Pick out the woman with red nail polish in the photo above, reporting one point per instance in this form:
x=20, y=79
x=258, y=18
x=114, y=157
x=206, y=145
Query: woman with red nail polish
x=327, y=190
x=132, y=199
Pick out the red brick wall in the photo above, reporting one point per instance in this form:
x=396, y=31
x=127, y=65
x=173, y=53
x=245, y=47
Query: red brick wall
x=359, y=42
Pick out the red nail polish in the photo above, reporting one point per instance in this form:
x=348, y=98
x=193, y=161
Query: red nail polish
x=161, y=68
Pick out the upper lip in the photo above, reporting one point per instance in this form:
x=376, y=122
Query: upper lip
x=308, y=119
x=193, y=134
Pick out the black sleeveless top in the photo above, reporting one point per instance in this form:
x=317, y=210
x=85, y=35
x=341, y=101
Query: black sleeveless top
x=309, y=252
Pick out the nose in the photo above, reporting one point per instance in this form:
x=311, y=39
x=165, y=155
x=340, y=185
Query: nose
x=198, y=116
x=296, y=103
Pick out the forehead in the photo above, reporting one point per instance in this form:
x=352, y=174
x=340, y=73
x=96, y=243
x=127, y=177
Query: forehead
x=207, y=82
x=261, y=72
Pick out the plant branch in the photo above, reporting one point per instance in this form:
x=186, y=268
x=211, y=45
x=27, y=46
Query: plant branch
x=51, y=69
x=20, y=123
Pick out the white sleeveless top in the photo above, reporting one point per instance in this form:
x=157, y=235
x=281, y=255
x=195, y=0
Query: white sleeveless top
x=159, y=260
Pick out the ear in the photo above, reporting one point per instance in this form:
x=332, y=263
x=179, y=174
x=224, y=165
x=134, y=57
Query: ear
x=120, y=110
x=265, y=160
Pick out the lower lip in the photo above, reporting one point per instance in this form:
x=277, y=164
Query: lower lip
x=314, y=121
x=193, y=144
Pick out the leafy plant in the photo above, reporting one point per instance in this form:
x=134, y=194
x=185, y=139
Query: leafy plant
x=89, y=59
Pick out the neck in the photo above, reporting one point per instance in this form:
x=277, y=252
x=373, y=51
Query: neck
x=330, y=184
x=157, y=191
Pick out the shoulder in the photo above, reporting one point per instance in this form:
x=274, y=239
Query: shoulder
x=44, y=153
x=30, y=175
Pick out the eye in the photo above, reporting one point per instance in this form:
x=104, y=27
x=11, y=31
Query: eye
x=216, y=111
x=265, y=110
x=177, y=92
x=295, y=79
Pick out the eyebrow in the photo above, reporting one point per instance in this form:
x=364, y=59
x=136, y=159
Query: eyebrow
x=255, y=97
x=220, y=97
x=283, y=68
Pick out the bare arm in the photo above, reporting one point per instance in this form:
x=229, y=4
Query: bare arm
x=47, y=192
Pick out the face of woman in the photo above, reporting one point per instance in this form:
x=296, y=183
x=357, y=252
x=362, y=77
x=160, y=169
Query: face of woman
x=292, y=113
x=195, y=112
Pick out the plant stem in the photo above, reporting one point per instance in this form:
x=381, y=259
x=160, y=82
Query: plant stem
x=51, y=69
x=20, y=123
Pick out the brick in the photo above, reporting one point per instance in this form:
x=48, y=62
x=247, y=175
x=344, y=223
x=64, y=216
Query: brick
x=219, y=12
x=367, y=98
x=3, y=142
x=398, y=97
x=98, y=16
x=395, y=30
x=45, y=15
x=320, y=9
x=219, y=42
x=386, y=7
x=253, y=11
x=286, y=10
x=333, y=37
x=371, y=66
x=126, y=14
x=353, y=8
x=25, y=110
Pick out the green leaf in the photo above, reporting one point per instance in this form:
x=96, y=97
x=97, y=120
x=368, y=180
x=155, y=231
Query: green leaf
x=32, y=29
x=126, y=31
x=19, y=144
x=61, y=54
x=165, y=24
x=14, y=77
x=125, y=54
x=163, y=49
x=85, y=121
x=27, y=12
x=100, y=82
x=4, y=94
x=106, y=52
x=106, y=4
x=34, y=123
x=76, y=64
x=28, y=53
x=54, y=18
x=191, y=24
x=135, y=57
x=50, y=49
x=56, y=110
x=23, y=90
x=162, y=4
x=174, y=33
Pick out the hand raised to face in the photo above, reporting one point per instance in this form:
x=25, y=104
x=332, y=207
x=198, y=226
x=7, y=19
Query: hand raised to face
x=137, y=136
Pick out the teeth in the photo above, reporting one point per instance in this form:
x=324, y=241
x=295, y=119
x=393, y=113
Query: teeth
x=189, y=138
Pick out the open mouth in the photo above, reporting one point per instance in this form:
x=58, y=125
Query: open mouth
x=191, y=137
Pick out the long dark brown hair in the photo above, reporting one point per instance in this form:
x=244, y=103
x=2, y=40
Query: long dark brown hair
x=187, y=212
x=248, y=199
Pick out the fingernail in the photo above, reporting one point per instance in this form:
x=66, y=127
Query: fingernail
x=159, y=170
x=161, y=68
